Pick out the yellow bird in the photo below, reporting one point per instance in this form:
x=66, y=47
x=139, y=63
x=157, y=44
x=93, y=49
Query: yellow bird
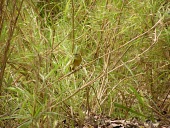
x=77, y=61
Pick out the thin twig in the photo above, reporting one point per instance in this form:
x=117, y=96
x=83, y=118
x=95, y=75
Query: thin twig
x=135, y=38
x=81, y=88
x=73, y=37
x=8, y=43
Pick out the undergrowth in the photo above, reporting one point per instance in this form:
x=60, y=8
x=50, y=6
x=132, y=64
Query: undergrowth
x=124, y=73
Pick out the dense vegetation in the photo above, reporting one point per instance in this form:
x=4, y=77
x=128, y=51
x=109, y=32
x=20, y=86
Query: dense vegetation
x=124, y=73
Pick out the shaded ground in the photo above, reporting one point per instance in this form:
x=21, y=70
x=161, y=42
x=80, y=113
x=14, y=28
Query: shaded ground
x=101, y=121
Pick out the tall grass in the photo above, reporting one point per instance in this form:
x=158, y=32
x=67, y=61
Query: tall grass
x=125, y=47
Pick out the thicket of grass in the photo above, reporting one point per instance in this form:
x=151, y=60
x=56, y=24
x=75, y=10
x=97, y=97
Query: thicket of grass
x=125, y=46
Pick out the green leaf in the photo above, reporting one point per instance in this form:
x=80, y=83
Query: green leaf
x=25, y=124
x=128, y=109
x=138, y=96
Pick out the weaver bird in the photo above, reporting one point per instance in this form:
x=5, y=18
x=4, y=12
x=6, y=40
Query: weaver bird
x=77, y=61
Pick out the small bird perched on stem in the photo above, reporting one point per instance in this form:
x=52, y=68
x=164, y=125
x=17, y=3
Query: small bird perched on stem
x=77, y=61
